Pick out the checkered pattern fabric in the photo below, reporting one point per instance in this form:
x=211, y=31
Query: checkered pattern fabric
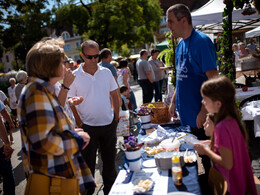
x=46, y=127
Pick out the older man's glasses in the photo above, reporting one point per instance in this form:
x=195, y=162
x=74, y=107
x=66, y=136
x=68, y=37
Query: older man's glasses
x=91, y=56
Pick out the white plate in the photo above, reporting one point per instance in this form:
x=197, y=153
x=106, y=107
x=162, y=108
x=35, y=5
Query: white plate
x=149, y=163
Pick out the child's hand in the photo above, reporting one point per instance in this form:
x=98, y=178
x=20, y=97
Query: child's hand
x=201, y=148
x=209, y=127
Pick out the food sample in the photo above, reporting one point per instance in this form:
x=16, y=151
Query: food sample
x=143, y=185
x=153, y=151
x=149, y=131
x=188, y=159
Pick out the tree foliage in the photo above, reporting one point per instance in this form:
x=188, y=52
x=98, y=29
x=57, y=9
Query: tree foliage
x=116, y=23
x=71, y=16
x=23, y=24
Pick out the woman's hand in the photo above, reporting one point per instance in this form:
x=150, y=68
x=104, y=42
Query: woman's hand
x=84, y=135
x=68, y=77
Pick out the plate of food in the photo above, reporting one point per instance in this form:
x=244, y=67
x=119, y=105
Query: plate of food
x=143, y=184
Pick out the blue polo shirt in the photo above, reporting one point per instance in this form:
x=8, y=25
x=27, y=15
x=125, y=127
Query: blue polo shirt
x=110, y=67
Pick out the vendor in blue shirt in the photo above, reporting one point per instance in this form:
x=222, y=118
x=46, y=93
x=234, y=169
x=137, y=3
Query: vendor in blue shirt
x=195, y=63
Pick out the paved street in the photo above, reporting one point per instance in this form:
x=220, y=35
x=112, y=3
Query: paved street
x=18, y=167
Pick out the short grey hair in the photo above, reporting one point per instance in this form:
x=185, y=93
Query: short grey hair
x=89, y=44
x=12, y=79
x=180, y=11
x=21, y=75
x=241, y=44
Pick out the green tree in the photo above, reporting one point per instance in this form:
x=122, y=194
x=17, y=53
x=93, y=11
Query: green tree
x=70, y=17
x=118, y=23
x=25, y=22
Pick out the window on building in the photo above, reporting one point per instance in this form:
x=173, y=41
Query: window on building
x=65, y=35
x=76, y=58
x=78, y=43
x=7, y=58
x=67, y=47
x=164, y=30
x=163, y=21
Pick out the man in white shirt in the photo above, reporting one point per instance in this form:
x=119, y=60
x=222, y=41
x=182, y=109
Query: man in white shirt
x=99, y=111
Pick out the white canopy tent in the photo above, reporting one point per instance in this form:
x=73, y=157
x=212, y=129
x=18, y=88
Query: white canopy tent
x=209, y=18
x=253, y=33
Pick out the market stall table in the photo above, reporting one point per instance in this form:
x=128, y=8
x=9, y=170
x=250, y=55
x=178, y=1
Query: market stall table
x=163, y=182
x=252, y=112
x=241, y=95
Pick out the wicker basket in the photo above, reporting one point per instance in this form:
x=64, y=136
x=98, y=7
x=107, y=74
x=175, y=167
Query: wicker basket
x=160, y=114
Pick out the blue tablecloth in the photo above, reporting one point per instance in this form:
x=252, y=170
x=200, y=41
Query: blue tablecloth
x=189, y=171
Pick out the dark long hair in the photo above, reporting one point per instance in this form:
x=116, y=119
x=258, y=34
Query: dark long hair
x=222, y=89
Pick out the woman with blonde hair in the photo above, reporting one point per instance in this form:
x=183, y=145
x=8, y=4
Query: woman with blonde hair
x=49, y=142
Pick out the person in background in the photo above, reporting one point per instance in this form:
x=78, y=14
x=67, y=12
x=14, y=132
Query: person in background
x=78, y=63
x=229, y=153
x=43, y=122
x=70, y=64
x=106, y=58
x=3, y=98
x=195, y=63
x=6, y=151
x=13, y=106
x=159, y=72
x=243, y=51
x=124, y=91
x=114, y=63
x=99, y=111
x=145, y=76
x=123, y=79
x=252, y=46
x=236, y=54
x=12, y=99
x=21, y=78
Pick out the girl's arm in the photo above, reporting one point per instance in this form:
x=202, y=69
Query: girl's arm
x=225, y=159
x=125, y=78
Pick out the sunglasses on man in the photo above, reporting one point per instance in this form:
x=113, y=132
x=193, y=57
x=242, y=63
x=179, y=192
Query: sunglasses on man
x=91, y=56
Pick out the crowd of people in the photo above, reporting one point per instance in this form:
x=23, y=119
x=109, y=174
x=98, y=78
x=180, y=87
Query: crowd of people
x=72, y=113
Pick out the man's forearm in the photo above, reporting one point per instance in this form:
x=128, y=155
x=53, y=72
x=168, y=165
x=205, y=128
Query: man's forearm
x=115, y=103
x=78, y=120
x=173, y=97
x=149, y=76
x=6, y=116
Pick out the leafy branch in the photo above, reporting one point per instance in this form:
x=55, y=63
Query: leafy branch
x=168, y=55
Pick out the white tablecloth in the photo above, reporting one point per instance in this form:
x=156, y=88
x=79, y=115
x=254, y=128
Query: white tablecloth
x=124, y=181
x=241, y=95
x=252, y=112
